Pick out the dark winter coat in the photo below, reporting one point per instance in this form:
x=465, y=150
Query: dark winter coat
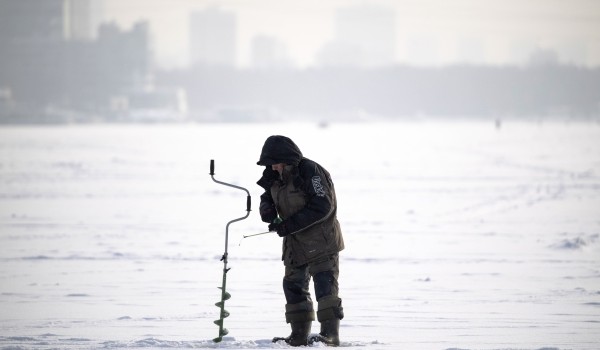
x=304, y=197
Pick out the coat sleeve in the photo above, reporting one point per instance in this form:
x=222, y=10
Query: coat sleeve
x=320, y=203
x=267, y=209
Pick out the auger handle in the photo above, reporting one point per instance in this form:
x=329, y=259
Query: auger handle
x=212, y=173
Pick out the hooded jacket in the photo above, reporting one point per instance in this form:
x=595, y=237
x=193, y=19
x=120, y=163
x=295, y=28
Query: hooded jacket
x=304, y=197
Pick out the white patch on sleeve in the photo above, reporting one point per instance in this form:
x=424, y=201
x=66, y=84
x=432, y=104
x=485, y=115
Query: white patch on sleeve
x=316, y=182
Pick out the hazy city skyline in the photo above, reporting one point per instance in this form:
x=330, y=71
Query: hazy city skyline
x=54, y=70
x=428, y=32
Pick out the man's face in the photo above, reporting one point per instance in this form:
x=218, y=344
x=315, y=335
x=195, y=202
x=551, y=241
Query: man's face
x=278, y=167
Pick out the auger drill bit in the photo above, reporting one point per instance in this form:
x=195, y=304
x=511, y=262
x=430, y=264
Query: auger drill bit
x=224, y=294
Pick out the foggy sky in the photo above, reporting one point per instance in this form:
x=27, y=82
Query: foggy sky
x=476, y=31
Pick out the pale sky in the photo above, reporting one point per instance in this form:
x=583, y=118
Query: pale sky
x=447, y=31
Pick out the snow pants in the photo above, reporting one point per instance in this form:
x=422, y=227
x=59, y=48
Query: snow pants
x=299, y=307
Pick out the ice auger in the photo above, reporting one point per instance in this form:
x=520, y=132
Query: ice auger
x=224, y=295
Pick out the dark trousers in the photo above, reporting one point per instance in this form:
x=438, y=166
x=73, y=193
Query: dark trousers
x=296, y=281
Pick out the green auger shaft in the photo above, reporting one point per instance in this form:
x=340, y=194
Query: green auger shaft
x=221, y=304
x=224, y=295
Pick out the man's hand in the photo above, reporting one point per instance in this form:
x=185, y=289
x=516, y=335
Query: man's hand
x=279, y=226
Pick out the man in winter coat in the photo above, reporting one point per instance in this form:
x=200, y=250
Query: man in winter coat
x=299, y=203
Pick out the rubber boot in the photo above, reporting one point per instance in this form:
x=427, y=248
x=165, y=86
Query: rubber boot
x=299, y=336
x=330, y=332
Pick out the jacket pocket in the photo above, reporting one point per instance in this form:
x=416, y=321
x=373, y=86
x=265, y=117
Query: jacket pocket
x=313, y=243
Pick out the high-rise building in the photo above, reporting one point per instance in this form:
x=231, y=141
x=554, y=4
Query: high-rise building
x=31, y=56
x=78, y=20
x=31, y=21
x=47, y=20
x=49, y=56
x=367, y=33
x=213, y=37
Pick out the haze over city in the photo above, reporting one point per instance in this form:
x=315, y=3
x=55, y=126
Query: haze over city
x=426, y=32
x=267, y=60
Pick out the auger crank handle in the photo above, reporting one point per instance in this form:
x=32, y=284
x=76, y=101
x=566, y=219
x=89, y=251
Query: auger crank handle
x=248, y=199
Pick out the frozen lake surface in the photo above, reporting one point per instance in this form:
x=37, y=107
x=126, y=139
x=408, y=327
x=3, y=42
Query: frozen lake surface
x=458, y=235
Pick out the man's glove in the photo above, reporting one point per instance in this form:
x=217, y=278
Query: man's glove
x=267, y=211
x=279, y=226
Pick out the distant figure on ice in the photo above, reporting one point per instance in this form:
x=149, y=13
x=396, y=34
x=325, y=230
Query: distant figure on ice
x=299, y=203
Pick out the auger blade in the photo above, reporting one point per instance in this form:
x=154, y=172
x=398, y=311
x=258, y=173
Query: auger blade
x=219, y=322
x=220, y=304
x=226, y=295
x=218, y=339
x=225, y=313
x=224, y=332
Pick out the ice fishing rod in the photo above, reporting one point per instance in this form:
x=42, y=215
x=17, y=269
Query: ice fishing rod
x=252, y=235
x=224, y=295
x=257, y=234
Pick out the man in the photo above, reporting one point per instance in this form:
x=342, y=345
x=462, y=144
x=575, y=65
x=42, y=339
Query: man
x=299, y=203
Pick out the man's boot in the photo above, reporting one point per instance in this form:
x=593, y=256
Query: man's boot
x=299, y=336
x=300, y=317
x=330, y=332
x=330, y=313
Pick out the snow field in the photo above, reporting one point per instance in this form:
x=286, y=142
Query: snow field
x=458, y=235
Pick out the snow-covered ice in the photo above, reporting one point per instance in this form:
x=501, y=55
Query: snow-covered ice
x=458, y=235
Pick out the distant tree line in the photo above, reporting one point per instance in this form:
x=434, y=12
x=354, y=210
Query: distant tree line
x=462, y=90
x=82, y=78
